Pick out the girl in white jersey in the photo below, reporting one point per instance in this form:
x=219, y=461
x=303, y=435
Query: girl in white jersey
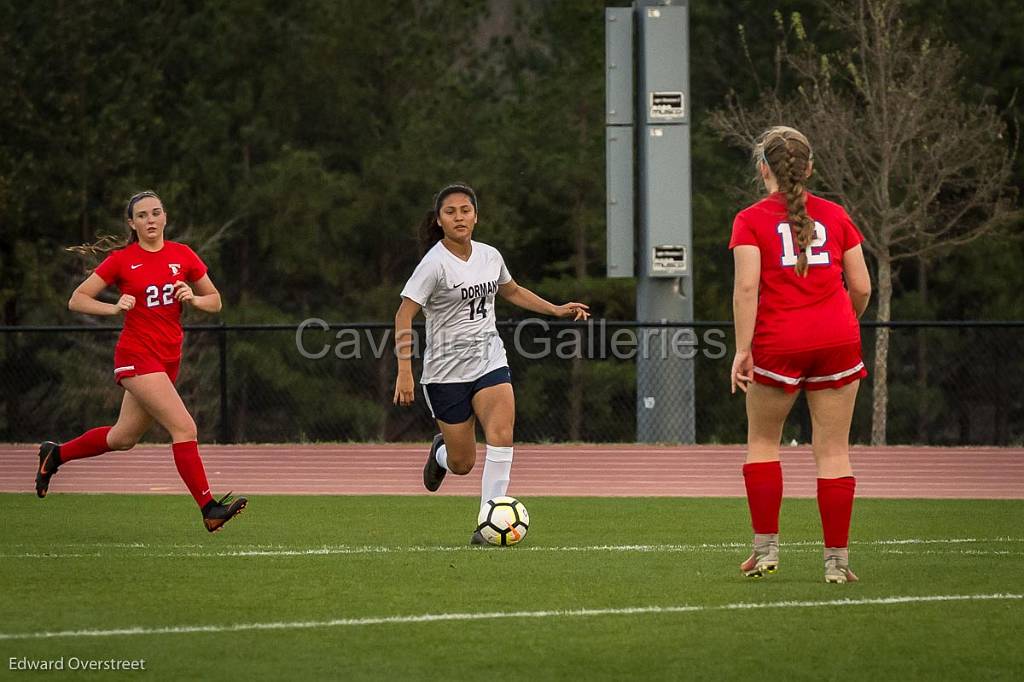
x=465, y=373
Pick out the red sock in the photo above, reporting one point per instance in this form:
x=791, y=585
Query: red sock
x=835, y=503
x=764, y=494
x=190, y=468
x=91, y=443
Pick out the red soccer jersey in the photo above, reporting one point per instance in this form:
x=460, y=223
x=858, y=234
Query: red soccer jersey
x=154, y=324
x=800, y=313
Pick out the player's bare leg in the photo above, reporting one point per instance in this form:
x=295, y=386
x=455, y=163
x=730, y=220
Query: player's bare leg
x=456, y=453
x=831, y=416
x=454, y=449
x=132, y=424
x=460, y=442
x=495, y=407
x=767, y=409
x=123, y=435
x=157, y=395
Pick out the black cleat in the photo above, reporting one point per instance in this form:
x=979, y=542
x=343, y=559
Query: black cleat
x=478, y=539
x=218, y=512
x=49, y=462
x=433, y=473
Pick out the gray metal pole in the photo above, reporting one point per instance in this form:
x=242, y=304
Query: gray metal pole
x=620, y=98
x=665, y=365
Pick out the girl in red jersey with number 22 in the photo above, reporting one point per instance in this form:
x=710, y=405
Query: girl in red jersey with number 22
x=797, y=328
x=153, y=276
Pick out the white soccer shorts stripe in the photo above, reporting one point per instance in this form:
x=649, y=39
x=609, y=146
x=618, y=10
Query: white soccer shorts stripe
x=426, y=398
x=796, y=382
x=124, y=369
x=839, y=375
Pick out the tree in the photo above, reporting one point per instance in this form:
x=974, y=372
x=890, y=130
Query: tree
x=920, y=169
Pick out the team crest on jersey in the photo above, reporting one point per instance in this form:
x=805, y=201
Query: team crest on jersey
x=175, y=268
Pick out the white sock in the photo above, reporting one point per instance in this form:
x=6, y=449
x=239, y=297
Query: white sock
x=441, y=456
x=497, y=470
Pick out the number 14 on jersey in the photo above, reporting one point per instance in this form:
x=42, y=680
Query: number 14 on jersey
x=478, y=309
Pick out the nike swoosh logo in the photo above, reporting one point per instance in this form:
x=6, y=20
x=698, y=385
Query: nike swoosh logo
x=456, y=286
x=137, y=266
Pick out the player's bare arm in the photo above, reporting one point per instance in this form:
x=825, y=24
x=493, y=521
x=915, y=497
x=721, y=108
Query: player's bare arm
x=744, y=307
x=204, y=296
x=858, y=282
x=526, y=299
x=404, y=384
x=83, y=299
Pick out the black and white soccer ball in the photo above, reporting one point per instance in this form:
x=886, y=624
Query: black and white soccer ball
x=503, y=521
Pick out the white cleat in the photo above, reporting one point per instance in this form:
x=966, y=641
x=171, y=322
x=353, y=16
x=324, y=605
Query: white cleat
x=837, y=566
x=764, y=560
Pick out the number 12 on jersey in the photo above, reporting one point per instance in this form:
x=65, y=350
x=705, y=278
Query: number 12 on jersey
x=813, y=257
x=478, y=309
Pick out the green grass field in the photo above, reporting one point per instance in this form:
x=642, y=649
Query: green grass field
x=308, y=581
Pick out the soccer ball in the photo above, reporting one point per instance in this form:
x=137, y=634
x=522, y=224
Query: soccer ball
x=503, y=521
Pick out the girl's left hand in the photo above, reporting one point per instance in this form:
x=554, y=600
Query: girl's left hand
x=183, y=292
x=578, y=311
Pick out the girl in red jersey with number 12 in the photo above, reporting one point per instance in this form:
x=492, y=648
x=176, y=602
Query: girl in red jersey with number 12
x=797, y=328
x=153, y=276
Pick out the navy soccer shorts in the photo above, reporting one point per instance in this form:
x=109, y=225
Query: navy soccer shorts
x=453, y=403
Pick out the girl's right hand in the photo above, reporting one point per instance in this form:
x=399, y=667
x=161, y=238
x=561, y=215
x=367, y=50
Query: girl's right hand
x=404, y=390
x=125, y=303
x=742, y=374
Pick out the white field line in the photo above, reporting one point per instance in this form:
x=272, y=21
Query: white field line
x=499, y=615
x=964, y=552
x=255, y=551
x=339, y=551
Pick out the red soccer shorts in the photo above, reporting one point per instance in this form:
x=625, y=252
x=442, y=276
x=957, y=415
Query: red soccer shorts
x=133, y=364
x=812, y=370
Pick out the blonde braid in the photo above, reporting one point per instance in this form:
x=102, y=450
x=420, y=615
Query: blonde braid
x=796, y=208
x=788, y=155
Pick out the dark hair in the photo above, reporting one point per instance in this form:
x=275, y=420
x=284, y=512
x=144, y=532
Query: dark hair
x=136, y=198
x=430, y=231
x=788, y=154
x=109, y=242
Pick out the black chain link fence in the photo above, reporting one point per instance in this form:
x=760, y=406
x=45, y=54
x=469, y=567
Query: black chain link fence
x=950, y=383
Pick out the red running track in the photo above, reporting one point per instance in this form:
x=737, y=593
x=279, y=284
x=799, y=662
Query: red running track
x=602, y=470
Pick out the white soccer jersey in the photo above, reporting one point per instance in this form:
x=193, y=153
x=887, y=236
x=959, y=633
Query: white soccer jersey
x=457, y=297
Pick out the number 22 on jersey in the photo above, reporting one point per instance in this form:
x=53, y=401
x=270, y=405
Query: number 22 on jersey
x=813, y=257
x=153, y=297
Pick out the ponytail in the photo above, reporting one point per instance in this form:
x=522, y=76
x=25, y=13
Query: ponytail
x=109, y=242
x=104, y=244
x=430, y=232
